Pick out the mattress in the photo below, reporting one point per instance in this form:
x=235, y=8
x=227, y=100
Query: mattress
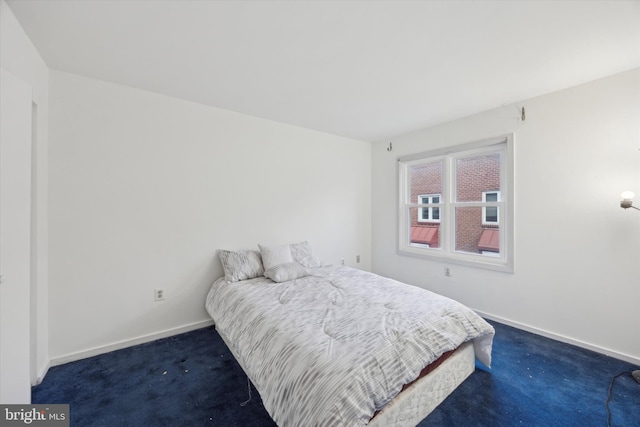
x=332, y=348
x=419, y=399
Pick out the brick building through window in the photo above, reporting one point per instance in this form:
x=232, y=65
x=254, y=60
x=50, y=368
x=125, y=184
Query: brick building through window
x=477, y=179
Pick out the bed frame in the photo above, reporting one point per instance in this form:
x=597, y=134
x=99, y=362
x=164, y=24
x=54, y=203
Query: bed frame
x=418, y=400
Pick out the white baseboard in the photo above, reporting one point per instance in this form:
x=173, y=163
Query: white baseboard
x=72, y=357
x=562, y=338
x=42, y=373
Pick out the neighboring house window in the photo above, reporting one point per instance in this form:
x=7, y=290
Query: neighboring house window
x=430, y=213
x=490, y=214
x=455, y=204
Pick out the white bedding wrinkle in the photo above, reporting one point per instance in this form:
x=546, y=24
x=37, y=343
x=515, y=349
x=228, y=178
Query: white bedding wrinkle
x=331, y=348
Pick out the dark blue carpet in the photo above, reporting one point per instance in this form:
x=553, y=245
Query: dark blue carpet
x=192, y=380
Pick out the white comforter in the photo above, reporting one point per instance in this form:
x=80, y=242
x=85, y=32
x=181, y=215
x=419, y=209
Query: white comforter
x=331, y=348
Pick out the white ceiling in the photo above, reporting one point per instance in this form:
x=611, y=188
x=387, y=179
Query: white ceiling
x=367, y=70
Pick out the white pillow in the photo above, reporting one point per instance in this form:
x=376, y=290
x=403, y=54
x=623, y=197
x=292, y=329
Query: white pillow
x=241, y=265
x=302, y=253
x=274, y=255
x=285, y=272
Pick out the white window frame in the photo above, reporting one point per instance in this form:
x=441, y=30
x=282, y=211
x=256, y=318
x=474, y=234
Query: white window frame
x=490, y=204
x=502, y=261
x=431, y=206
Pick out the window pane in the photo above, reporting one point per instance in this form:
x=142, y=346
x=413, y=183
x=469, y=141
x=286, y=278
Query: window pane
x=471, y=236
x=492, y=214
x=424, y=214
x=423, y=234
x=476, y=175
x=491, y=197
x=426, y=179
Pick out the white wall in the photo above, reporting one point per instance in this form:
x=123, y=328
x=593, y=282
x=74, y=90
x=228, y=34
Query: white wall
x=20, y=58
x=577, y=253
x=146, y=188
x=15, y=238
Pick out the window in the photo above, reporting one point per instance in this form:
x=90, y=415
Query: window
x=431, y=213
x=455, y=204
x=490, y=213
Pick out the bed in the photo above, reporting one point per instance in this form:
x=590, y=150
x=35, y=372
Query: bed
x=337, y=346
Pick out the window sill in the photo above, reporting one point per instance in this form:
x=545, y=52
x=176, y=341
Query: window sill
x=487, y=262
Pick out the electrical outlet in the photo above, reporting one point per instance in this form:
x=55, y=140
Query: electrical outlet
x=158, y=294
x=342, y=261
x=447, y=272
x=358, y=259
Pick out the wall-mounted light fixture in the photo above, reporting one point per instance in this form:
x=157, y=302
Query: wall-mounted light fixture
x=627, y=200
